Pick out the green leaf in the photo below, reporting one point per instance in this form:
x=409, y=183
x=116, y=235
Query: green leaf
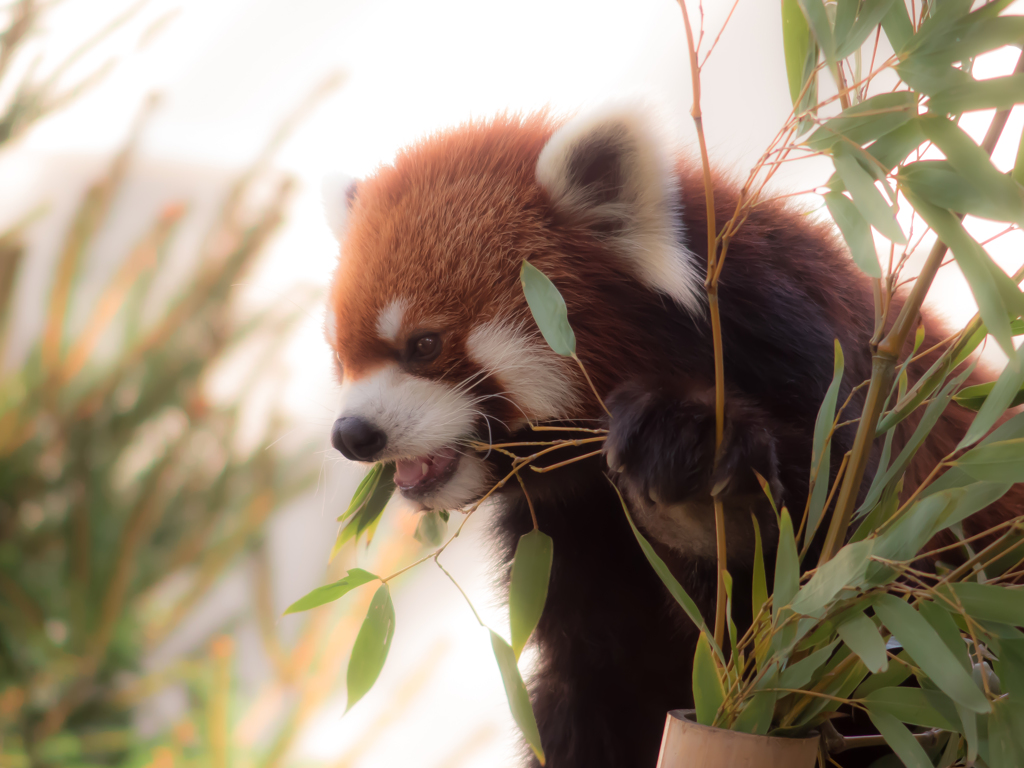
x=821, y=449
x=893, y=676
x=548, y=309
x=1003, y=392
x=930, y=77
x=866, y=197
x=871, y=13
x=974, y=263
x=930, y=653
x=861, y=634
x=727, y=581
x=430, y=530
x=937, y=182
x=518, y=698
x=369, y=512
x=674, y=587
x=372, y=645
x=756, y=715
x=531, y=571
x=975, y=397
x=972, y=95
x=817, y=20
x=847, y=569
x=759, y=582
x=363, y=490
x=897, y=26
x=1003, y=604
x=867, y=121
x=708, y=691
x=974, y=165
x=947, y=630
x=893, y=148
x=856, y=231
x=802, y=672
x=917, y=706
x=787, y=566
x=801, y=54
x=1018, y=164
x=996, y=462
x=331, y=592
x=899, y=737
x=846, y=15
x=1004, y=744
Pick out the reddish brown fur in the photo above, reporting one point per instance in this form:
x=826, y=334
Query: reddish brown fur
x=447, y=228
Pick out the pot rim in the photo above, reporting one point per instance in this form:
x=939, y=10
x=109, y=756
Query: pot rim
x=690, y=716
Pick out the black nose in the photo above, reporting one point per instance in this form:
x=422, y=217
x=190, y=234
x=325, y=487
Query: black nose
x=357, y=439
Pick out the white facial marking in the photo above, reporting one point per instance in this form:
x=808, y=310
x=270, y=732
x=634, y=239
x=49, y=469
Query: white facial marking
x=649, y=234
x=389, y=321
x=421, y=417
x=537, y=379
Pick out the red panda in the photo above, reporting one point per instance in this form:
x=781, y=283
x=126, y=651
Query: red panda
x=437, y=350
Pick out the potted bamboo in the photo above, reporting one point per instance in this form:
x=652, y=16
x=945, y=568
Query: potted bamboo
x=850, y=616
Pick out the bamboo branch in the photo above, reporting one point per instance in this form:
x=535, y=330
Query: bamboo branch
x=883, y=366
x=711, y=286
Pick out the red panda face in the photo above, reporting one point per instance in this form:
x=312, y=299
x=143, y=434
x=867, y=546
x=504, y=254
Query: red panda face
x=436, y=348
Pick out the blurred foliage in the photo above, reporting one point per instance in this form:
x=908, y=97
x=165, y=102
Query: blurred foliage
x=122, y=498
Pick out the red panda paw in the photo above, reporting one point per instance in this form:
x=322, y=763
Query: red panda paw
x=661, y=445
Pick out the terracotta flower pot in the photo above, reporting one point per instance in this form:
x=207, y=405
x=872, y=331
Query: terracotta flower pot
x=687, y=744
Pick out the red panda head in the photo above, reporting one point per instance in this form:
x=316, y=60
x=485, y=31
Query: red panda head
x=435, y=344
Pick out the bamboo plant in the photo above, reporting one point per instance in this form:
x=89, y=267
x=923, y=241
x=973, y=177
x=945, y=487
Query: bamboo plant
x=118, y=476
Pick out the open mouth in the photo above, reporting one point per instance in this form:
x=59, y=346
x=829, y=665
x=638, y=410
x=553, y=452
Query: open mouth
x=422, y=475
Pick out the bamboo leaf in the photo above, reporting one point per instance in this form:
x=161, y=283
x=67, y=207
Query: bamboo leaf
x=847, y=569
x=430, y=529
x=971, y=95
x=947, y=630
x=940, y=184
x=856, y=231
x=528, y=591
x=861, y=634
x=787, y=566
x=331, y=592
x=370, y=511
x=817, y=20
x=930, y=653
x=899, y=737
x=371, y=647
x=759, y=581
x=801, y=54
x=366, y=487
x=898, y=27
x=917, y=706
x=802, y=672
x=1004, y=745
x=867, y=121
x=988, y=602
x=866, y=197
x=1018, y=164
x=871, y=14
x=893, y=676
x=821, y=450
x=515, y=691
x=1001, y=462
x=708, y=691
x=975, y=397
x=1003, y=392
x=975, y=166
x=971, y=258
x=756, y=716
x=548, y=309
x=674, y=587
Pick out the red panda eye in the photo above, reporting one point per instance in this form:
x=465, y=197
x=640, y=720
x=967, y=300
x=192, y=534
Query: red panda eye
x=426, y=347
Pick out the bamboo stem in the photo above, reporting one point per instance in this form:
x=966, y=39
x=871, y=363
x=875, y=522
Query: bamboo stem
x=883, y=368
x=711, y=285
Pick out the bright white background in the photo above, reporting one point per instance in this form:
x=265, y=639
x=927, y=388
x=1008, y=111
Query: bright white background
x=228, y=70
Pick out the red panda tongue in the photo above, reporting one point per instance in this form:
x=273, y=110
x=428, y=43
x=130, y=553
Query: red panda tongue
x=410, y=473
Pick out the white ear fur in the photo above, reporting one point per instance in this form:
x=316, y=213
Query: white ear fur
x=337, y=192
x=612, y=172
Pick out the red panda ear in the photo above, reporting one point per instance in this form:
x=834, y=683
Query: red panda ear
x=611, y=173
x=338, y=193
